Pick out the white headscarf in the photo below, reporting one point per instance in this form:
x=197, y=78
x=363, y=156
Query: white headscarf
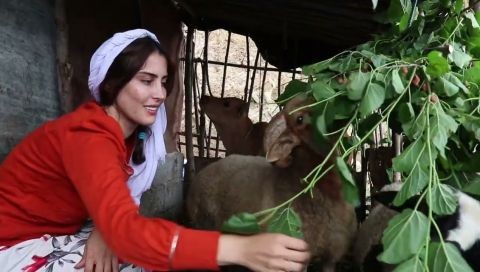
x=154, y=148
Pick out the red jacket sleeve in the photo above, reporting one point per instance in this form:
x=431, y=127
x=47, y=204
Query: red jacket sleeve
x=95, y=162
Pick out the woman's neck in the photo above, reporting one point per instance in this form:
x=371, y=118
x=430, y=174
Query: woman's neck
x=127, y=126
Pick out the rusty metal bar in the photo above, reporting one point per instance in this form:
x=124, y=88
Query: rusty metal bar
x=253, y=78
x=217, y=145
x=236, y=65
x=201, y=129
x=262, y=92
x=190, y=171
x=245, y=91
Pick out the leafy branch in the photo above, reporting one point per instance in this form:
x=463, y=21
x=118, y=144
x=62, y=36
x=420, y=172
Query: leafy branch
x=421, y=78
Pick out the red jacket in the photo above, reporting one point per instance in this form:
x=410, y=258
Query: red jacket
x=75, y=167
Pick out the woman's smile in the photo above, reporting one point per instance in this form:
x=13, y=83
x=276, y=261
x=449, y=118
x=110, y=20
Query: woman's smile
x=152, y=110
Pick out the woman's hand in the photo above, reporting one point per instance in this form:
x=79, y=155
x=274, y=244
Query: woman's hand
x=97, y=257
x=264, y=252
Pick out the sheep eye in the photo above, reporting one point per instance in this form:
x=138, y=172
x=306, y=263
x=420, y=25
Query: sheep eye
x=300, y=120
x=226, y=104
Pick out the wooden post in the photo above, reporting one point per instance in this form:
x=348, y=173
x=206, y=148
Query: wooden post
x=64, y=68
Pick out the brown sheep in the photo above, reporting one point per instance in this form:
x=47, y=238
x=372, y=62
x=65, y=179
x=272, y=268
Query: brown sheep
x=237, y=132
x=250, y=184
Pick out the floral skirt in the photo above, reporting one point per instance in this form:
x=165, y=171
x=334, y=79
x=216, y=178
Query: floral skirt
x=50, y=254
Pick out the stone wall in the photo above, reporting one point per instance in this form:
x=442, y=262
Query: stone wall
x=165, y=198
x=28, y=81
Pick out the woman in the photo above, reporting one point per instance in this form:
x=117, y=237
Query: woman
x=94, y=163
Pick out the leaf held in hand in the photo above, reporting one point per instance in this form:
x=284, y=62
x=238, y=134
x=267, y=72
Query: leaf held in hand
x=242, y=223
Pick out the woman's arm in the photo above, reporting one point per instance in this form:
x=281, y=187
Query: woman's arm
x=264, y=252
x=96, y=166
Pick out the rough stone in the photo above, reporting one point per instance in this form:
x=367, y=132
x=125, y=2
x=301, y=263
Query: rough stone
x=28, y=81
x=165, y=198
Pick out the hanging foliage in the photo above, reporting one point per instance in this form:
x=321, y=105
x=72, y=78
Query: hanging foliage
x=422, y=78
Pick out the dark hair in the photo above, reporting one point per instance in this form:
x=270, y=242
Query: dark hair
x=122, y=70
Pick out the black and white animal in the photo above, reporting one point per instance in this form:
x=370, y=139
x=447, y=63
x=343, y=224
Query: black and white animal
x=462, y=228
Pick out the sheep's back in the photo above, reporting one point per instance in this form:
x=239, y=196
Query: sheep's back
x=237, y=183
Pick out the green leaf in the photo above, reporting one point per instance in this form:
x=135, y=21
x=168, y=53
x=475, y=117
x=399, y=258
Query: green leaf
x=415, y=182
x=321, y=125
x=395, y=11
x=472, y=124
x=373, y=98
x=438, y=65
x=405, y=235
x=406, y=161
x=293, y=88
x=286, y=222
x=446, y=87
x=343, y=65
x=344, y=108
x=442, y=126
x=324, y=76
x=374, y=4
x=366, y=53
x=473, y=187
x=471, y=17
x=443, y=199
x=349, y=187
x=357, y=82
x=407, y=13
x=242, y=223
x=458, y=6
x=325, y=112
x=470, y=164
x=379, y=60
x=414, y=128
x=473, y=74
x=423, y=41
x=413, y=264
x=473, y=45
x=448, y=27
x=459, y=102
x=460, y=180
x=316, y=68
x=446, y=257
x=460, y=58
x=321, y=90
x=397, y=82
x=405, y=113
x=367, y=124
x=457, y=82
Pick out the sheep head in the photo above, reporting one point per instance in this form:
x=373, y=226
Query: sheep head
x=222, y=111
x=288, y=129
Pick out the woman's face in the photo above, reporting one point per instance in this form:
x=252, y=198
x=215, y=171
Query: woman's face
x=138, y=101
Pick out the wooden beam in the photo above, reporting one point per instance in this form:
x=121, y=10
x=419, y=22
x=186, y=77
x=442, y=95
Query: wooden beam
x=64, y=67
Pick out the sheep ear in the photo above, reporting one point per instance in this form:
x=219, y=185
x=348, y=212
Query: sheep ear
x=280, y=151
x=273, y=130
x=279, y=141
